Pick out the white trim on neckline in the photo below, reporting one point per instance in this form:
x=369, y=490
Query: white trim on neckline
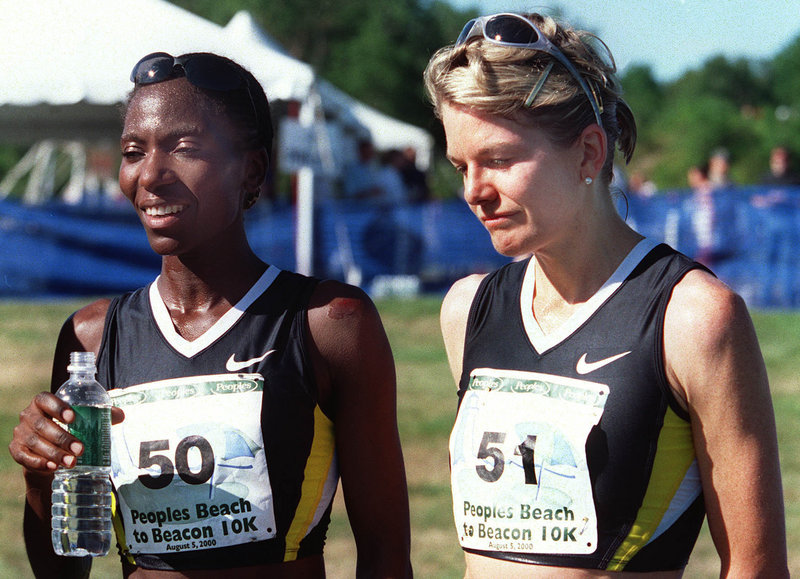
x=542, y=342
x=191, y=348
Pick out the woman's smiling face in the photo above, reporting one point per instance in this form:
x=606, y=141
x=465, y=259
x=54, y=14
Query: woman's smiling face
x=180, y=167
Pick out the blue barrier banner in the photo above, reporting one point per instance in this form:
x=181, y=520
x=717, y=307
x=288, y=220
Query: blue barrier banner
x=747, y=235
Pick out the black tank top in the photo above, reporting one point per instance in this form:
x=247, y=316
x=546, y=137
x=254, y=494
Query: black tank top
x=235, y=464
x=642, y=491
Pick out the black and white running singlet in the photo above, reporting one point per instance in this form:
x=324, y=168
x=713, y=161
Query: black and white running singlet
x=569, y=448
x=224, y=458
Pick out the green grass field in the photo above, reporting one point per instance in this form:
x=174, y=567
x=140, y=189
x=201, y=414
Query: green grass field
x=426, y=407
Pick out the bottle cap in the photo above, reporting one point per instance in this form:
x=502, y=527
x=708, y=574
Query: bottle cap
x=81, y=361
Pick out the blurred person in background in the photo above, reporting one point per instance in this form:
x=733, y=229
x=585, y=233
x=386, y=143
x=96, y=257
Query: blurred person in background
x=641, y=186
x=361, y=179
x=611, y=390
x=701, y=212
x=718, y=173
x=416, y=180
x=390, y=179
x=781, y=168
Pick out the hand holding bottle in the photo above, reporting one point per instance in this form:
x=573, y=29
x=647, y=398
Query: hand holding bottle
x=41, y=445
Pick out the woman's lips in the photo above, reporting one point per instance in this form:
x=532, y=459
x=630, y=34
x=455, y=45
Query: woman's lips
x=162, y=210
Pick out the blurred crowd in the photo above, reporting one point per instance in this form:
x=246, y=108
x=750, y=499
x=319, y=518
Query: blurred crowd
x=392, y=178
x=746, y=233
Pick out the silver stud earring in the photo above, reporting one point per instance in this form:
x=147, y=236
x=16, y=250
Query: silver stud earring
x=588, y=180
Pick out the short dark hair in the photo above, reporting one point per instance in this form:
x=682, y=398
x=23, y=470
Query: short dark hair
x=247, y=107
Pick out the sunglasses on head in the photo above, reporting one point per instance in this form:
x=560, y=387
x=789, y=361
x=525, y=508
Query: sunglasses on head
x=206, y=71
x=515, y=30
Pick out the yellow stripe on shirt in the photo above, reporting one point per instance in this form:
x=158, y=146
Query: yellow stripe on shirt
x=674, y=456
x=315, y=476
x=119, y=529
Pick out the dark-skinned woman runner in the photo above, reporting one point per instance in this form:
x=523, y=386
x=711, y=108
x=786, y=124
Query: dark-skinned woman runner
x=239, y=484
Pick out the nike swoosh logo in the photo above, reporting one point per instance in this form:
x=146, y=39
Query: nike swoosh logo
x=233, y=366
x=584, y=367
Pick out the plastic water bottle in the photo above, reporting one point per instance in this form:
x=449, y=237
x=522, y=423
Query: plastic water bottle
x=81, y=513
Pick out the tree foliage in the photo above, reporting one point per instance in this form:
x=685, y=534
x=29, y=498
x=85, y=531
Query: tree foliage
x=784, y=76
x=745, y=106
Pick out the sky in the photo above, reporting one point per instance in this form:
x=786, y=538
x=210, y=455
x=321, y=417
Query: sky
x=672, y=36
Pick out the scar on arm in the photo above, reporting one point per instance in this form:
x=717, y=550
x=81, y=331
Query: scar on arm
x=343, y=308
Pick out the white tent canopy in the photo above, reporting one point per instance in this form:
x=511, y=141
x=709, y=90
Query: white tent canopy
x=64, y=67
x=63, y=52
x=384, y=131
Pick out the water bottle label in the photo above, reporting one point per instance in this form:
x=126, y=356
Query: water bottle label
x=92, y=427
x=189, y=464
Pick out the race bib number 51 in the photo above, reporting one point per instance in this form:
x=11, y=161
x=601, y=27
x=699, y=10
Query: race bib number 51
x=518, y=463
x=189, y=465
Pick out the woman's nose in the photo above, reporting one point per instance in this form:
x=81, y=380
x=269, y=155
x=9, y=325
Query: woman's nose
x=476, y=188
x=156, y=170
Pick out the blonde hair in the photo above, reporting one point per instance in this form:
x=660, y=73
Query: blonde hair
x=498, y=79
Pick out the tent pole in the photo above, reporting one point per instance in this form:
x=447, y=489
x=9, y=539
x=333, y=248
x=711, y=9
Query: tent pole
x=304, y=237
x=304, y=234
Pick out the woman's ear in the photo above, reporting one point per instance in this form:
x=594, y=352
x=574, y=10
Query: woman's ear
x=256, y=169
x=594, y=147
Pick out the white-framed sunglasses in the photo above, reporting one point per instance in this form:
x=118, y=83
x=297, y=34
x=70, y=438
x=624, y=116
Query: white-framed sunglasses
x=508, y=29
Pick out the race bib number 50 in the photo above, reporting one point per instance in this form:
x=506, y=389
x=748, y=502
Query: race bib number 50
x=189, y=466
x=518, y=463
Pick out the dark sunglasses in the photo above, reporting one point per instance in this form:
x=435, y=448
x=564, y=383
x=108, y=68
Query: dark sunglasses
x=206, y=71
x=508, y=29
